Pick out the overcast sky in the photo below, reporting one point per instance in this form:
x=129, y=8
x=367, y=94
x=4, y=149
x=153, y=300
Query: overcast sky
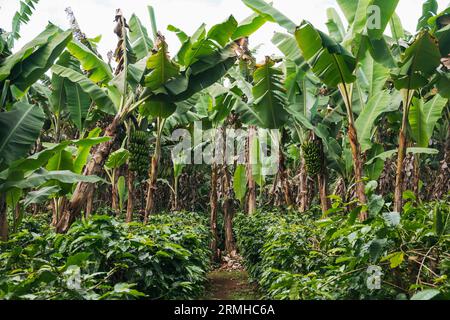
x=96, y=16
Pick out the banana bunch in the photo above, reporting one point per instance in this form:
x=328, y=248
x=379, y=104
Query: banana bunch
x=139, y=148
x=313, y=159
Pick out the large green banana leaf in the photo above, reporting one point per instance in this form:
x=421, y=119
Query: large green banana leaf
x=267, y=11
x=376, y=106
x=389, y=154
x=429, y=9
x=97, y=69
x=329, y=61
x=27, y=72
x=19, y=129
x=213, y=68
x=42, y=176
x=162, y=68
x=270, y=98
x=22, y=55
x=78, y=104
x=101, y=99
x=386, y=10
x=139, y=38
x=248, y=26
x=423, y=118
x=419, y=61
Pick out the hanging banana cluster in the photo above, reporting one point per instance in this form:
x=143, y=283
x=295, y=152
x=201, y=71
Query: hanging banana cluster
x=313, y=159
x=139, y=153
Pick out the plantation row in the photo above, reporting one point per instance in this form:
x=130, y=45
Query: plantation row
x=312, y=257
x=103, y=258
x=358, y=120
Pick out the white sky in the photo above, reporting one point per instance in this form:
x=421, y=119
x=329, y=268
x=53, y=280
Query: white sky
x=96, y=16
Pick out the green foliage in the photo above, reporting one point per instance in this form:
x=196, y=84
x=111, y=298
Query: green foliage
x=105, y=259
x=19, y=130
x=299, y=257
x=21, y=17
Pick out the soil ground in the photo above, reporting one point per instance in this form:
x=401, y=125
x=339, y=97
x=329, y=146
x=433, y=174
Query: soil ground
x=230, y=285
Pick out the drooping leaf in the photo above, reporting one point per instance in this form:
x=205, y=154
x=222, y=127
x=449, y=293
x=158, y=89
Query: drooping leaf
x=270, y=98
x=419, y=61
x=160, y=108
x=248, y=26
x=376, y=106
x=40, y=196
x=22, y=55
x=78, y=104
x=101, y=99
x=97, y=69
x=222, y=33
x=240, y=182
x=204, y=74
x=30, y=70
x=417, y=122
x=391, y=153
x=423, y=118
x=19, y=129
x=375, y=73
x=270, y=14
x=182, y=36
x=329, y=61
x=42, y=176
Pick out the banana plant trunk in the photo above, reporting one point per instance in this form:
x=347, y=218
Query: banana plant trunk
x=114, y=194
x=442, y=186
x=130, y=202
x=150, y=203
x=3, y=218
x=284, y=179
x=303, y=188
x=402, y=146
x=84, y=190
x=322, y=181
x=251, y=181
x=90, y=204
x=346, y=92
x=213, y=214
x=228, y=214
x=358, y=169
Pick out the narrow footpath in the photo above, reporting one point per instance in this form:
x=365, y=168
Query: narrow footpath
x=230, y=282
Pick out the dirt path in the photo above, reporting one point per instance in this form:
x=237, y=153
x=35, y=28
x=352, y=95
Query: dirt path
x=230, y=285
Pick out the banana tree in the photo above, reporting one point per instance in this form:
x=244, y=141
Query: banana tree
x=418, y=64
x=21, y=121
x=203, y=59
x=335, y=66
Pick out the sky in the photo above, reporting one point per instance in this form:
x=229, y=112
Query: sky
x=96, y=17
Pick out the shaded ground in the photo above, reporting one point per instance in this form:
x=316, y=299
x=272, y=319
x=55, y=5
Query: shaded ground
x=230, y=285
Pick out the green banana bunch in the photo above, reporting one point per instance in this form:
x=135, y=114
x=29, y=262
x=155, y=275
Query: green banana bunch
x=139, y=148
x=313, y=159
